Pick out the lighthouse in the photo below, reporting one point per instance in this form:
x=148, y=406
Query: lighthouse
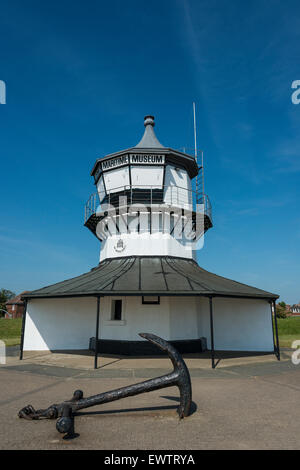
x=145, y=204
x=150, y=214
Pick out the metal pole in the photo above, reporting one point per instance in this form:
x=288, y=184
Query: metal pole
x=23, y=330
x=274, y=344
x=212, y=344
x=276, y=331
x=195, y=133
x=97, y=334
x=202, y=171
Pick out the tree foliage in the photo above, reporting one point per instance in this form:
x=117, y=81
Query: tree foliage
x=5, y=295
x=281, y=311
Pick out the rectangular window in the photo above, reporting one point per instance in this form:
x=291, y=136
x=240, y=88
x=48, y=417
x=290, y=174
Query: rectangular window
x=116, y=310
x=151, y=299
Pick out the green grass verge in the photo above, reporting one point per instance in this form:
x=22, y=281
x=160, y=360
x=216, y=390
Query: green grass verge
x=288, y=330
x=10, y=331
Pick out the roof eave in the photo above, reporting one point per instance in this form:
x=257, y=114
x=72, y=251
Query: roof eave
x=161, y=294
x=167, y=150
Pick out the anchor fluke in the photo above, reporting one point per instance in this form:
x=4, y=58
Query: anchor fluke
x=183, y=381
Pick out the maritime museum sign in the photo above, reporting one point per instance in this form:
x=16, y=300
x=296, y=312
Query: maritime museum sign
x=147, y=158
x=133, y=158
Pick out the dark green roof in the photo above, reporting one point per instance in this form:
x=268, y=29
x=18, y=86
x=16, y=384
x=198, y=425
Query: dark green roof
x=149, y=275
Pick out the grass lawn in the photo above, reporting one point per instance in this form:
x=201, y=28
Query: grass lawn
x=288, y=330
x=10, y=331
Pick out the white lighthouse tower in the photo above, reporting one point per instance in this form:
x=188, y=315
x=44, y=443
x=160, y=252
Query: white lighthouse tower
x=150, y=218
x=145, y=204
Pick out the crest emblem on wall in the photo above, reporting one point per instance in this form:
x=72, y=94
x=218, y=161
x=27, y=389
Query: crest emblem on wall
x=120, y=246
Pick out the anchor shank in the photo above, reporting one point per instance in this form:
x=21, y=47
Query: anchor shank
x=167, y=380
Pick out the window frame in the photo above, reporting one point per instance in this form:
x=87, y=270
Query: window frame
x=113, y=310
x=150, y=302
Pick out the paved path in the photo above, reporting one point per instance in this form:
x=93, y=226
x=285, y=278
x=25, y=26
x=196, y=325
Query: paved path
x=81, y=365
x=245, y=406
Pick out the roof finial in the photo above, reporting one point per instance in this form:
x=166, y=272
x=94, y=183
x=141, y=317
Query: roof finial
x=149, y=139
x=149, y=120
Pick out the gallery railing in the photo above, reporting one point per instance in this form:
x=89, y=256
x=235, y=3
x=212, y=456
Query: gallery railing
x=149, y=195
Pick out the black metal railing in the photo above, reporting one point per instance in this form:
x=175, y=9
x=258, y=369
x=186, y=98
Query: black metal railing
x=174, y=196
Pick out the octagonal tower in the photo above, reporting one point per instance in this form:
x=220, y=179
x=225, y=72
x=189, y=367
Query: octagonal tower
x=145, y=203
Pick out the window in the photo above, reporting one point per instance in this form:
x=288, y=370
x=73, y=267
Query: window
x=116, y=313
x=151, y=299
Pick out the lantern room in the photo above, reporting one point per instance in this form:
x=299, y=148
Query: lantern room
x=148, y=175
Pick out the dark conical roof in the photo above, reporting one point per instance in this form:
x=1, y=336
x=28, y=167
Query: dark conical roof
x=149, y=139
x=150, y=275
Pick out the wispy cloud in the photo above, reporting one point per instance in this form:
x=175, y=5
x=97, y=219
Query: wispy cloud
x=287, y=156
x=253, y=207
x=29, y=247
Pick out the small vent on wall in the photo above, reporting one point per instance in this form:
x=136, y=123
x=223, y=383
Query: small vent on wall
x=151, y=299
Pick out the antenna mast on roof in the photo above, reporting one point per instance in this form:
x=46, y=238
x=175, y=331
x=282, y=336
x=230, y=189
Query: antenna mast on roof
x=195, y=133
x=200, y=176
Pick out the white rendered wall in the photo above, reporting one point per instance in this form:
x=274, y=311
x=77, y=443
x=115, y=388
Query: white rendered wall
x=184, y=318
x=69, y=323
x=173, y=319
x=239, y=325
x=136, y=318
x=59, y=323
x=146, y=244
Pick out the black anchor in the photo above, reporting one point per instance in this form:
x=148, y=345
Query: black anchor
x=65, y=411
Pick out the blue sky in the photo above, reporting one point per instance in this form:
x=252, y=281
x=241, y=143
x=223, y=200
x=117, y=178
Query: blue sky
x=80, y=77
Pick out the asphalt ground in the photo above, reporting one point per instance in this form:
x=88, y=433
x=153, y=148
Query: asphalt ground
x=250, y=405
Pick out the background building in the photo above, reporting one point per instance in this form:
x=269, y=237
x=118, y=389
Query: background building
x=15, y=306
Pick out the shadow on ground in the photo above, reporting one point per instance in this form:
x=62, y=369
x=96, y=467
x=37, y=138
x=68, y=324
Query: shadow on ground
x=219, y=355
x=142, y=409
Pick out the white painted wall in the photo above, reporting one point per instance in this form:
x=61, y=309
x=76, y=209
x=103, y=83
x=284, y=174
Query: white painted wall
x=145, y=244
x=69, y=323
x=239, y=325
x=136, y=318
x=59, y=323
x=184, y=318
